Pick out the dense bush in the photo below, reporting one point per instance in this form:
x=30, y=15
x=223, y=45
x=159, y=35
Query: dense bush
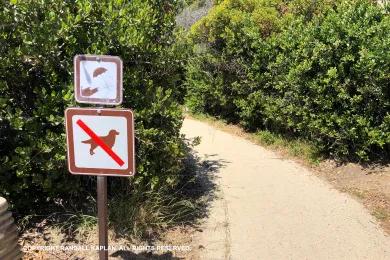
x=38, y=40
x=330, y=80
x=322, y=72
x=225, y=44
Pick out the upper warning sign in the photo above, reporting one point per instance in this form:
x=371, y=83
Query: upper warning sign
x=98, y=79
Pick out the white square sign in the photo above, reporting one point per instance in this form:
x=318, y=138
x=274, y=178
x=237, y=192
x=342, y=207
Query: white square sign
x=100, y=141
x=98, y=79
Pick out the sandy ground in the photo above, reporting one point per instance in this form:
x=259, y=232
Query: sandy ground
x=268, y=207
x=369, y=184
x=85, y=245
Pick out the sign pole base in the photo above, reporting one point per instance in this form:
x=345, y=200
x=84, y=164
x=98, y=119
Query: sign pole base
x=102, y=216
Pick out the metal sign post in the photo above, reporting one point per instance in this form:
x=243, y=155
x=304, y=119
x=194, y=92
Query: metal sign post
x=100, y=141
x=102, y=216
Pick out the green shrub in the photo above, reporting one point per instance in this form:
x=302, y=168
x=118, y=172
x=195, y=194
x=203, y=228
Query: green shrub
x=321, y=72
x=225, y=42
x=38, y=40
x=330, y=78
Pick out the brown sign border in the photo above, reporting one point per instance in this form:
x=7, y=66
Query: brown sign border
x=128, y=114
x=119, y=86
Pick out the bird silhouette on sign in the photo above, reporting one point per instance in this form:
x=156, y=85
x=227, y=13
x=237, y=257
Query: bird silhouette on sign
x=109, y=140
x=86, y=92
x=99, y=71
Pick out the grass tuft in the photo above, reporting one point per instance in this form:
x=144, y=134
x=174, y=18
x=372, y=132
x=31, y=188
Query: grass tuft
x=381, y=214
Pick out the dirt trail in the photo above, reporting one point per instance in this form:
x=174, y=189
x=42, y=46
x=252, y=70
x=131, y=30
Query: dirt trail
x=273, y=208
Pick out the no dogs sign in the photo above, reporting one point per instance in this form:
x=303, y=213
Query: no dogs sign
x=100, y=141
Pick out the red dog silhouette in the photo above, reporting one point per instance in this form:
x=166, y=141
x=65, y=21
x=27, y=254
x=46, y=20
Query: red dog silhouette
x=109, y=140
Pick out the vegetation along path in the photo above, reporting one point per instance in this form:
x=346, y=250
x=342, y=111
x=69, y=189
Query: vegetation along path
x=268, y=207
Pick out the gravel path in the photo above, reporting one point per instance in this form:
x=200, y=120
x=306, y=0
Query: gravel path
x=273, y=208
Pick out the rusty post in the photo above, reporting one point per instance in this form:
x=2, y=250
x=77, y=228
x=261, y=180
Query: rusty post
x=102, y=216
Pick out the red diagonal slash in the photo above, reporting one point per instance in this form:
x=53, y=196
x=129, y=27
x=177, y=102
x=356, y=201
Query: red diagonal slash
x=100, y=142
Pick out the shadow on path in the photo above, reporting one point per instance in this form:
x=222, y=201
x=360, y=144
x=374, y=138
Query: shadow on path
x=201, y=183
